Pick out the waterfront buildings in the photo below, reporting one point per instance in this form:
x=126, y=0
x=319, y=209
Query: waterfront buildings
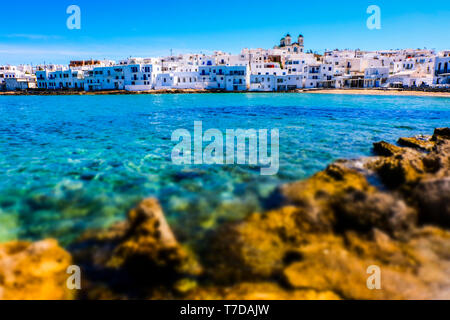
x=104, y=78
x=442, y=69
x=60, y=79
x=17, y=78
x=284, y=67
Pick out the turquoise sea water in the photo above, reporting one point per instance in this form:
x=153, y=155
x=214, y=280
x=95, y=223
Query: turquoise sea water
x=69, y=163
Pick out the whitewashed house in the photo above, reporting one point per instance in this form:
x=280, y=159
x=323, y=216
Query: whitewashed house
x=408, y=79
x=237, y=78
x=60, y=79
x=140, y=77
x=271, y=77
x=105, y=78
x=12, y=84
x=212, y=77
x=223, y=77
x=375, y=77
x=284, y=67
x=442, y=69
x=265, y=76
x=312, y=78
x=178, y=80
x=17, y=78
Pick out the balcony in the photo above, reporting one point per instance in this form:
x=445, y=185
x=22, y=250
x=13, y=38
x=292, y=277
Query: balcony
x=442, y=72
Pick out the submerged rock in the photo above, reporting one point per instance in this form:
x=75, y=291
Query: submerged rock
x=34, y=271
x=147, y=239
x=141, y=254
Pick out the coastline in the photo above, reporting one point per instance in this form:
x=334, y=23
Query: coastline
x=367, y=92
x=380, y=92
x=101, y=92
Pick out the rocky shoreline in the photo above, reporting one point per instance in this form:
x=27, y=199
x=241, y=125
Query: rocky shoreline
x=391, y=210
x=437, y=93
x=444, y=93
x=39, y=92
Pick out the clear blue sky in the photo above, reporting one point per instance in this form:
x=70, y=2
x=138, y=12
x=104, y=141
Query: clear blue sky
x=35, y=31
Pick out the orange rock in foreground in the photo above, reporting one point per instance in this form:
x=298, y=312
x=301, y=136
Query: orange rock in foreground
x=34, y=271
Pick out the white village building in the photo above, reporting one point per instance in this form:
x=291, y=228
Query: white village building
x=284, y=67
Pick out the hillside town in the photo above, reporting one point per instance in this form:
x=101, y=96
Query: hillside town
x=285, y=67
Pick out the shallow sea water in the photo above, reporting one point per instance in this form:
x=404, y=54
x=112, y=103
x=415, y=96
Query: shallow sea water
x=69, y=163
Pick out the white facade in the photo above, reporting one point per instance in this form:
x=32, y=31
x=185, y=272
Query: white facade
x=442, y=69
x=375, y=77
x=312, y=78
x=12, y=84
x=222, y=77
x=178, y=80
x=282, y=68
x=59, y=80
x=17, y=78
x=141, y=77
x=105, y=78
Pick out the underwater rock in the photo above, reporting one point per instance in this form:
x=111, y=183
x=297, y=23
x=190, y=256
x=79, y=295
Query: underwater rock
x=34, y=271
x=148, y=244
x=140, y=254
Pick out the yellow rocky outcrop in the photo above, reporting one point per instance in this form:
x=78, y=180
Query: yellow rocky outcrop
x=336, y=224
x=34, y=271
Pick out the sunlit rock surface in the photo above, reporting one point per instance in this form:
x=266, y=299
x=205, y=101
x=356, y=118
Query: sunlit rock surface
x=34, y=271
x=336, y=224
